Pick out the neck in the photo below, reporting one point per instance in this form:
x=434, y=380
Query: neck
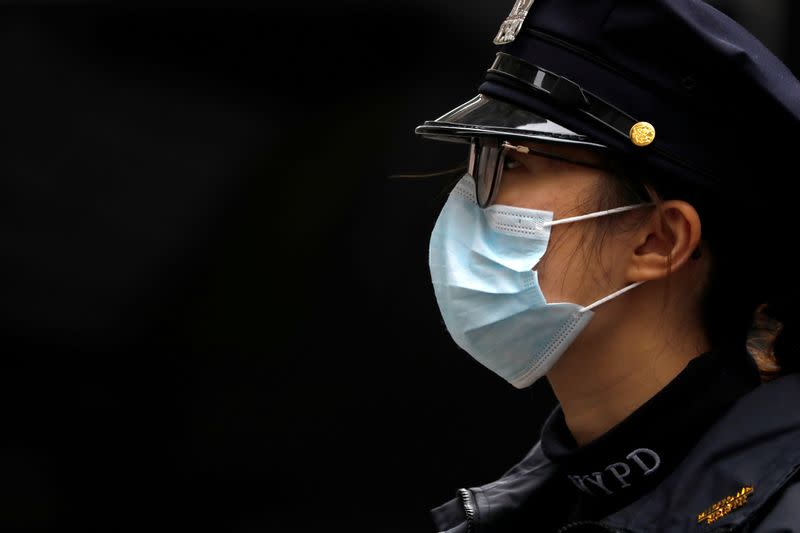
x=630, y=350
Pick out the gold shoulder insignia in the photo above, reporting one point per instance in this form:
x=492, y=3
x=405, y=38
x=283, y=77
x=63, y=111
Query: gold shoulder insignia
x=725, y=506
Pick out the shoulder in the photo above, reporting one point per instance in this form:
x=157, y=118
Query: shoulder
x=782, y=512
x=744, y=470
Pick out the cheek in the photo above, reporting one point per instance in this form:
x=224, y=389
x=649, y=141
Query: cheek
x=560, y=192
x=565, y=267
x=519, y=188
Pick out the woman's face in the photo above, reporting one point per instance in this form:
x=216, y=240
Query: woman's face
x=571, y=270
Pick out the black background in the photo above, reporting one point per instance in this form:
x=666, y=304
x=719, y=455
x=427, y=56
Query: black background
x=216, y=307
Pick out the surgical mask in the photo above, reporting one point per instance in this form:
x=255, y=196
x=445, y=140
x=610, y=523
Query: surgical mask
x=481, y=263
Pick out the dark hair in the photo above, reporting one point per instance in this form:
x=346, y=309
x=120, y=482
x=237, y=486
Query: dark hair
x=748, y=301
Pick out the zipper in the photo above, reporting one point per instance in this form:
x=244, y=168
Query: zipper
x=470, y=509
x=471, y=512
x=586, y=525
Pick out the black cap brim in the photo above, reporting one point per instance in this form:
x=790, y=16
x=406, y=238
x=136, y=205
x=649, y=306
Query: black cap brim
x=484, y=115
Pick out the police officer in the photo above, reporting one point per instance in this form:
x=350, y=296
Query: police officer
x=625, y=230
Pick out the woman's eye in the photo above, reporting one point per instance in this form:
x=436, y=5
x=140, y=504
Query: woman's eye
x=511, y=164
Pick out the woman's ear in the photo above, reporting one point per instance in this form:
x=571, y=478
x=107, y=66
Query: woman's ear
x=666, y=241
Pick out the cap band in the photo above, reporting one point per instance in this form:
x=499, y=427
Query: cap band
x=571, y=95
x=564, y=91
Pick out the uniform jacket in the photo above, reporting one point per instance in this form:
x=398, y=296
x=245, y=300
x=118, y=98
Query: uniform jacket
x=741, y=475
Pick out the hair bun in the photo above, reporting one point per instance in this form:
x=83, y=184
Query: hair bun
x=762, y=343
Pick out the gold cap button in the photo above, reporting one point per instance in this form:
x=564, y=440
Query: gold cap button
x=643, y=133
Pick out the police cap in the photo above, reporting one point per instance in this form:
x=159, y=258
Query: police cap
x=675, y=85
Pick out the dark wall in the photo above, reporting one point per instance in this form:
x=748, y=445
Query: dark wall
x=216, y=309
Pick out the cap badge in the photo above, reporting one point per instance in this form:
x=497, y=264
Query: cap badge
x=510, y=28
x=642, y=133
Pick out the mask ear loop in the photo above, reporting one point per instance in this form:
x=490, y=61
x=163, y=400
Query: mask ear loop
x=611, y=296
x=597, y=214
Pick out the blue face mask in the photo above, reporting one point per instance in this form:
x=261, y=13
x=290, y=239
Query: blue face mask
x=481, y=263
